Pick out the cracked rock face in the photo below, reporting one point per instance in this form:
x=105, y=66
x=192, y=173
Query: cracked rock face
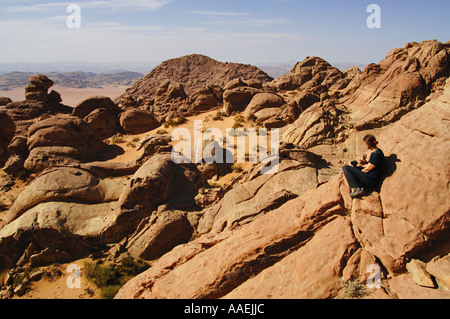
x=317, y=241
x=292, y=234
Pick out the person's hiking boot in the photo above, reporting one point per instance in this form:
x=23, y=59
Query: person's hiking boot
x=359, y=191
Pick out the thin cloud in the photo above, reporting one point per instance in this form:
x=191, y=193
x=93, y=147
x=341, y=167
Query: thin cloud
x=233, y=18
x=102, y=4
x=219, y=13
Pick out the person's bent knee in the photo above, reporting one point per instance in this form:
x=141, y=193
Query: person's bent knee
x=346, y=168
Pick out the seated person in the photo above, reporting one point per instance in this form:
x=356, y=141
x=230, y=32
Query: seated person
x=359, y=178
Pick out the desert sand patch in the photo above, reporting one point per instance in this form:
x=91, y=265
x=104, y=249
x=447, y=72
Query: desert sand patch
x=70, y=96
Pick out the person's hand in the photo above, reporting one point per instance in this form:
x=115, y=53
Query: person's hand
x=363, y=160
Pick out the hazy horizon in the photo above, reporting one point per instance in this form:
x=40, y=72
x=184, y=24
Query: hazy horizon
x=250, y=32
x=141, y=67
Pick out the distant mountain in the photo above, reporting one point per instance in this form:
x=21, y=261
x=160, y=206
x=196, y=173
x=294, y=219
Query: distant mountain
x=78, y=79
x=276, y=70
x=75, y=66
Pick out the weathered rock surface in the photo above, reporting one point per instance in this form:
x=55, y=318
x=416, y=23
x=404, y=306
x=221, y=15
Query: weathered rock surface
x=194, y=72
x=37, y=105
x=294, y=233
x=136, y=121
x=7, y=130
x=101, y=113
x=270, y=254
x=266, y=108
x=62, y=184
x=104, y=122
x=158, y=234
x=384, y=92
x=187, y=85
x=312, y=73
x=85, y=107
x=237, y=99
x=38, y=89
x=4, y=100
x=18, y=151
x=61, y=140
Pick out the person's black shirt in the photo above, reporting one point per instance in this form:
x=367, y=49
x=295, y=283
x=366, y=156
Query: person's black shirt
x=377, y=159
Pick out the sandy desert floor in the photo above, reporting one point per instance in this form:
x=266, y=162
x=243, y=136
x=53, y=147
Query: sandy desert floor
x=70, y=96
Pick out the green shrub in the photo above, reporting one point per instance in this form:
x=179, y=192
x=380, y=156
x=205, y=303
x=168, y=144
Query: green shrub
x=109, y=292
x=354, y=290
x=218, y=116
x=237, y=124
x=252, y=117
x=175, y=122
x=109, y=277
x=117, y=140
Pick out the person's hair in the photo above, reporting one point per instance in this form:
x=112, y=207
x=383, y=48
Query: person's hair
x=371, y=140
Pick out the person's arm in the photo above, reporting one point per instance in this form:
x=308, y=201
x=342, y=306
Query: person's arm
x=368, y=168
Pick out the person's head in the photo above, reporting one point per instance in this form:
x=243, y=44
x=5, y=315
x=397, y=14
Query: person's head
x=370, y=141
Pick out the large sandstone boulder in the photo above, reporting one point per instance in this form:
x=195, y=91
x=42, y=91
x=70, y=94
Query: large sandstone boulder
x=158, y=234
x=147, y=189
x=101, y=113
x=317, y=123
x=85, y=107
x=61, y=231
x=19, y=151
x=262, y=101
x=104, y=122
x=61, y=140
x=238, y=98
x=257, y=194
x=38, y=89
x=136, y=121
x=7, y=129
x=206, y=98
x=4, y=100
x=63, y=184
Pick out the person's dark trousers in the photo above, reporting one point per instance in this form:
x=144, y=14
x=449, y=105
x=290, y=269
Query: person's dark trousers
x=355, y=177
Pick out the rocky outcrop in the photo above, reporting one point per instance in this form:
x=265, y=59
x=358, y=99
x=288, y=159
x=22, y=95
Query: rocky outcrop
x=186, y=85
x=294, y=233
x=18, y=151
x=270, y=254
x=38, y=89
x=194, y=72
x=256, y=194
x=158, y=234
x=60, y=184
x=101, y=113
x=236, y=99
x=313, y=73
x=383, y=92
x=4, y=100
x=61, y=140
x=38, y=103
x=7, y=130
x=135, y=121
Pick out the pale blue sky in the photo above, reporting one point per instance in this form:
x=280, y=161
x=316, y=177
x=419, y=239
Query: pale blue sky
x=247, y=31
